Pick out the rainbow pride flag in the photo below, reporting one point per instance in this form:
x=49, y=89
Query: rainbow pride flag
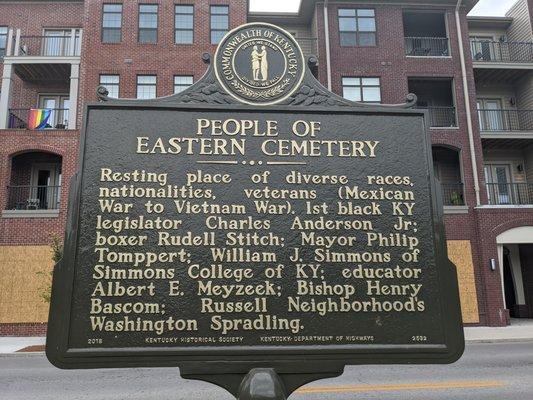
x=38, y=118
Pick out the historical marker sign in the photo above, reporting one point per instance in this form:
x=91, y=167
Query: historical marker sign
x=210, y=227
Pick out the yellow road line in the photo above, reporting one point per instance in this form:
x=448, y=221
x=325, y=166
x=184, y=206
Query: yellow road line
x=404, y=386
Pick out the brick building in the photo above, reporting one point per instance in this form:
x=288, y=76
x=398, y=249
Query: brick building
x=474, y=74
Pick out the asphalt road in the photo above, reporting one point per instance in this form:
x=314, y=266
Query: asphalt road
x=500, y=371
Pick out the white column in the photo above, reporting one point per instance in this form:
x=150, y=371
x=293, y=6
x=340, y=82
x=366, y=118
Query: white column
x=5, y=95
x=516, y=268
x=17, y=43
x=9, y=47
x=73, y=95
x=72, y=43
x=500, y=263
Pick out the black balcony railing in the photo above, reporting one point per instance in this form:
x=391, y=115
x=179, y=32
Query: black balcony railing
x=453, y=194
x=505, y=120
x=18, y=118
x=50, y=45
x=441, y=117
x=487, y=51
x=500, y=194
x=427, y=46
x=33, y=197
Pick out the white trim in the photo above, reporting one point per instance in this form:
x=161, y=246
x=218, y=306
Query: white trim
x=488, y=206
x=5, y=95
x=466, y=95
x=501, y=65
x=500, y=264
x=455, y=209
x=440, y=57
x=326, y=39
x=41, y=60
x=522, y=234
x=506, y=135
x=516, y=273
x=30, y=213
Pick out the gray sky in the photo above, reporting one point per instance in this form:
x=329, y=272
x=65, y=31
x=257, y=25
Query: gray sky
x=484, y=7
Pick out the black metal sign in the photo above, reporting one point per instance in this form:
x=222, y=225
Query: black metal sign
x=218, y=232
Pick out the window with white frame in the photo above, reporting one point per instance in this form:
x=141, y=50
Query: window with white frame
x=183, y=24
x=3, y=40
x=363, y=89
x=146, y=86
x=219, y=23
x=112, y=23
x=111, y=83
x=182, y=82
x=357, y=27
x=148, y=23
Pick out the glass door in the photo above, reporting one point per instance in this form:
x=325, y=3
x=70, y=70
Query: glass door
x=499, y=184
x=491, y=115
x=59, y=106
x=44, y=190
x=484, y=48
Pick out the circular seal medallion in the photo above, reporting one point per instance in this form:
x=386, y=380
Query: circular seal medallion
x=259, y=64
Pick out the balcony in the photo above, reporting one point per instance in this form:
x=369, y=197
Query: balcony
x=435, y=95
x=442, y=117
x=19, y=119
x=427, y=47
x=38, y=61
x=54, y=43
x=33, y=197
x=34, y=189
x=501, y=52
x=505, y=123
x=453, y=194
x=504, y=194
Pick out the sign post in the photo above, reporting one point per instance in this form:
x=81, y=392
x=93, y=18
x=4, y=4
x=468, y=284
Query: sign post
x=255, y=230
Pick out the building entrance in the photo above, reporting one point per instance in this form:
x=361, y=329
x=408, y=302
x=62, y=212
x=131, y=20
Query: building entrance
x=515, y=253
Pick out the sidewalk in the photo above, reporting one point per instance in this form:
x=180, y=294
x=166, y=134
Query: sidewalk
x=519, y=330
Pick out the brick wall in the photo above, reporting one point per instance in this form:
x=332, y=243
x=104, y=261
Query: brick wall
x=28, y=231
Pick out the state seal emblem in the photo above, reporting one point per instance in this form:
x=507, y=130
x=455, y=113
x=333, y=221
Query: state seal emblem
x=259, y=64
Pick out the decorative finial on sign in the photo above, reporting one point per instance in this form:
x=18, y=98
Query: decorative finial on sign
x=206, y=58
x=411, y=99
x=312, y=61
x=102, y=93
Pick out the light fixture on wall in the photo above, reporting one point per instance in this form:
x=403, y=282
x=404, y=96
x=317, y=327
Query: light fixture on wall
x=519, y=167
x=512, y=101
x=492, y=264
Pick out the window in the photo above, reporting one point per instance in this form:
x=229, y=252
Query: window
x=357, y=27
x=111, y=83
x=367, y=90
x=112, y=23
x=183, y=24
x=59, y=105
x=57, y=42
x=3, y=40
x=147, y=23
x=182, y=82
x=146, y=86
x=219, y=23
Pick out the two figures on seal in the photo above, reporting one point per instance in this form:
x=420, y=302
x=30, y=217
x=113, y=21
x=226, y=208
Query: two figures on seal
x=259, y=64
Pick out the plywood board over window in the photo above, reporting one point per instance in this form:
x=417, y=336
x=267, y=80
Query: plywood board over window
x=460, y=253
x=22, y=283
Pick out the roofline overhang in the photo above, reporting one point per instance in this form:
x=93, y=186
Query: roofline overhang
x=489, y=22
x=307, y=7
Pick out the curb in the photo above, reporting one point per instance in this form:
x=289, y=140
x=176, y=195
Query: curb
x=467, y=341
